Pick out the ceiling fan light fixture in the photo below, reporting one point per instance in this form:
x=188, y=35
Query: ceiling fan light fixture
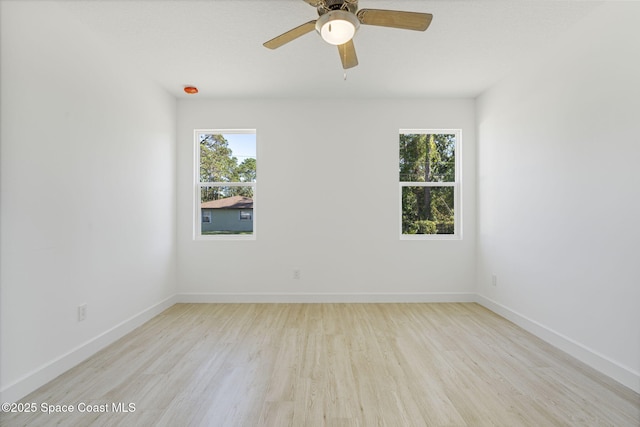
x=337, y=27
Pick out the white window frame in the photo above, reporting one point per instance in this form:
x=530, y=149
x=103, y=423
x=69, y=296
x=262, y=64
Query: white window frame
x=197, y=213
x=457, y=188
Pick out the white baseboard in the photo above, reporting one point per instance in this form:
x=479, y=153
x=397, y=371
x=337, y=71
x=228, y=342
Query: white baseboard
x=42, y=375
x=369, y=297
x=622, y=374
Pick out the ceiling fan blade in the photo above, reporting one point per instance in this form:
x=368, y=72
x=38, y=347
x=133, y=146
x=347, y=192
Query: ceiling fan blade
x=395, y=19
x=290, y=35
x=348, y=54
x=314, y=3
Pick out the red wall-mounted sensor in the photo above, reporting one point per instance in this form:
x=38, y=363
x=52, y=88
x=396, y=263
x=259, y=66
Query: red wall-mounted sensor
x=191, y=89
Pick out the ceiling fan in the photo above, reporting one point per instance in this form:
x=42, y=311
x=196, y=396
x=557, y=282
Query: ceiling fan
x=340, y=19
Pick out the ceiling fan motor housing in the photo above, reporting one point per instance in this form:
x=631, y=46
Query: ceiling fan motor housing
x=329, y=5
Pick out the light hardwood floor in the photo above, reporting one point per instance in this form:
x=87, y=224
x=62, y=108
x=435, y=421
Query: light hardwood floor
x=334, y=365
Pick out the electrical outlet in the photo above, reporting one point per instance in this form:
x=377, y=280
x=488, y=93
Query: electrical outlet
x=296, y=274
x=494, y=280
x=82, y=312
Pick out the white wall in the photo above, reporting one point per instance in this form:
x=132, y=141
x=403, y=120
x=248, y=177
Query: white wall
x=328, y=205
x=558, y=205
x=87, y=195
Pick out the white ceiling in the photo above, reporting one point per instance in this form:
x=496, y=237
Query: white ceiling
x=216, y=45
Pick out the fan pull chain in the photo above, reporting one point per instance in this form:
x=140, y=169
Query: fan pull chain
x=344, y=54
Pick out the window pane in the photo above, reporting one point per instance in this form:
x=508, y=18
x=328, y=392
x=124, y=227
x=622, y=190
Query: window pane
x=229, y=157
x=427, y=210
x=226, y=210
x=427, y=157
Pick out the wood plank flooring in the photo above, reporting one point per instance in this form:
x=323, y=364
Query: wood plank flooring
x=333, y=365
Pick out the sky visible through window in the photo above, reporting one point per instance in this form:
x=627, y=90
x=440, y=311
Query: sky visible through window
x=243, y=145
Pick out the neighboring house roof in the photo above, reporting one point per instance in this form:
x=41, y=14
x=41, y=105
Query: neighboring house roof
x=235, y=202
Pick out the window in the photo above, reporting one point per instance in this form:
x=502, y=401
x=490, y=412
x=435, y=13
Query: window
x=430, y=184
x=225, y=184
